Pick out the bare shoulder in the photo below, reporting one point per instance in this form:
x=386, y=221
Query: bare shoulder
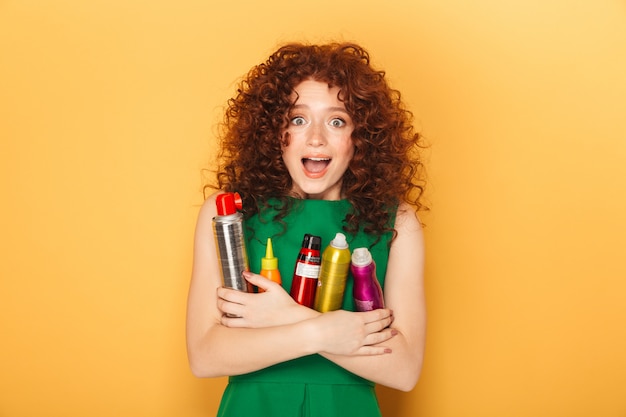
x=208, y=208
x=407, y=221
x=204, y=260
x=407, y=249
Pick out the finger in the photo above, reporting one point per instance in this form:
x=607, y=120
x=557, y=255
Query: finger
x=232, y=321
x=379, y=337
x=229, y=308
x=373, y=350
x=377, y=326
x=376, y=315
x=258, y=280
x=231, y=295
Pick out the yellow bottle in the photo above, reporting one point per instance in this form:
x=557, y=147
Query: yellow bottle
x=333, y=274
x=269, y=265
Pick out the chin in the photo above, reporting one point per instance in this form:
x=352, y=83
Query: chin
x=324, y=195
x=318, y=190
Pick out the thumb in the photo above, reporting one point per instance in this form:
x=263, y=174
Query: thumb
x=262, y=283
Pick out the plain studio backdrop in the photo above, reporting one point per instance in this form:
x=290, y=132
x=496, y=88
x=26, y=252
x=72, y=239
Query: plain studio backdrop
x=107, y=118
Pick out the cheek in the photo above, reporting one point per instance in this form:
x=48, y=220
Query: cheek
x=348, y=150
x=289, y=156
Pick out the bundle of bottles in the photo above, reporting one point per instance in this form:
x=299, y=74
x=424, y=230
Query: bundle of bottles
x=319, y=280
x=320, y=283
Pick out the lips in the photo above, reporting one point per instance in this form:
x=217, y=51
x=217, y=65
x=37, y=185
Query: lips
x=315, y=166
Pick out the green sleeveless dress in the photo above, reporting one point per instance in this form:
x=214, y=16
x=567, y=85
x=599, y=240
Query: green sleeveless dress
x=312, y=385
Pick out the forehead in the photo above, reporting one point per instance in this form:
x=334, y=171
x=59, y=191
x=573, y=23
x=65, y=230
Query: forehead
x=312, y=91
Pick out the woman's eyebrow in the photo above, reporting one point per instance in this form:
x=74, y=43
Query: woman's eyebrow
x=333, y=108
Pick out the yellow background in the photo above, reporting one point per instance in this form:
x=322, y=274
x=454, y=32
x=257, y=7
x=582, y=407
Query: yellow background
x=107, y=118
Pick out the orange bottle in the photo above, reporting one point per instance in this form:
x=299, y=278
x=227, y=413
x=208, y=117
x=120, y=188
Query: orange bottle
x=269, y=265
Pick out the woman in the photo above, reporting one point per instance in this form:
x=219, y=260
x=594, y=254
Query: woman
x=316, y=142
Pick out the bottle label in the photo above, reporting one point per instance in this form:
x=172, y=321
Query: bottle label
x=307, y=270
x=364, y=305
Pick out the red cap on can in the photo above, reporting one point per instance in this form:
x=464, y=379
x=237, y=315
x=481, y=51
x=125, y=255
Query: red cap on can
x=228, y=203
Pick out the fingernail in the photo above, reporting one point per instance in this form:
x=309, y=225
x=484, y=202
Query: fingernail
x=387, y=350
x=394, y=332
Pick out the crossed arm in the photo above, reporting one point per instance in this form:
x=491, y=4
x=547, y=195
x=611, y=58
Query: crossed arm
x=385, y=346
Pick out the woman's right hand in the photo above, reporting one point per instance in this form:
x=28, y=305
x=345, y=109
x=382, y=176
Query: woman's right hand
x=350, y=333
x=273, y=307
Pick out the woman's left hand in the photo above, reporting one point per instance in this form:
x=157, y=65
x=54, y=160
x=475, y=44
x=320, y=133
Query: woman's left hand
x=272, y=307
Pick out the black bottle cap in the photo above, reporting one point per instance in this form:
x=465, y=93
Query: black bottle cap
x=315, y=243
x=312, y=242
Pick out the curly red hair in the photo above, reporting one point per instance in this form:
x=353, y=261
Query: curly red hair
x=386, y=168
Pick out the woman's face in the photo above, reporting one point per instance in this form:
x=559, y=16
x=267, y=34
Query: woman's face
x=320, y=144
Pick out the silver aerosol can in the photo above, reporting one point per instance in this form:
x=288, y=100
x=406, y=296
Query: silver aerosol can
x=230, y=241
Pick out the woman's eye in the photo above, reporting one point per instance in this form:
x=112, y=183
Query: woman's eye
x=298, y=121
x=337, y=123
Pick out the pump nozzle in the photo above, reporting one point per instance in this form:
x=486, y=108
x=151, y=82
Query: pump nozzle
x=228, y=203
x=339, y=241
x=361, y=257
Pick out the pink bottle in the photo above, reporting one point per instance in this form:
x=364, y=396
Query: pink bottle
x=367, y=293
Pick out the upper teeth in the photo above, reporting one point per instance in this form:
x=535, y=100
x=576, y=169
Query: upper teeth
x=319, y=159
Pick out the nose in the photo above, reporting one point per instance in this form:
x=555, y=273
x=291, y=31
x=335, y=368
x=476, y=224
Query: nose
x=316, y=135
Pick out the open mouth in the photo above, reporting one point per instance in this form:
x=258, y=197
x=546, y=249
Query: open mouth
x=315, y=165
